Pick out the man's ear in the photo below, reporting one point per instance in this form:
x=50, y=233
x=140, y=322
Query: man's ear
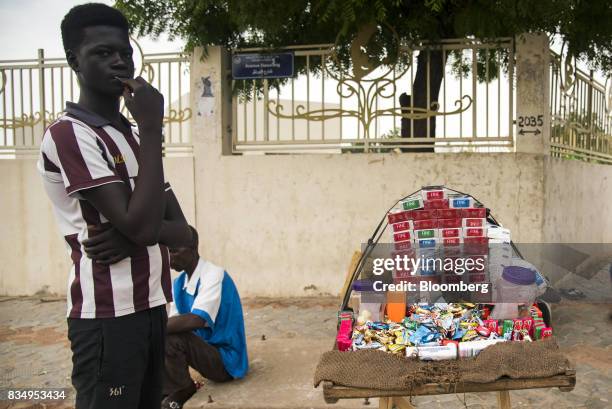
x=72, y=60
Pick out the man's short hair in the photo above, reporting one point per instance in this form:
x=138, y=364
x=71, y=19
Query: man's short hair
x=88, y=15
x=196, y=238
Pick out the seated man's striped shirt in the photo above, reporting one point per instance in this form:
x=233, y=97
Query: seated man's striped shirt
x=79, y=151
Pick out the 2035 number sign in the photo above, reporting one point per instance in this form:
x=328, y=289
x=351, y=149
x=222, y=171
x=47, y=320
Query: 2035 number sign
x=531, y=120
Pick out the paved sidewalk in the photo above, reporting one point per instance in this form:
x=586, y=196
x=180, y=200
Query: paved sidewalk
x=285, y=339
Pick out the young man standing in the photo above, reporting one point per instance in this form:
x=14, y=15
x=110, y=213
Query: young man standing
x=106, y=183
x=205, y=328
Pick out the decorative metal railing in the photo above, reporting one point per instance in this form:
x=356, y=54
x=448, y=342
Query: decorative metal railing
x=581, y=112
x=33, y=93
x=325, y=108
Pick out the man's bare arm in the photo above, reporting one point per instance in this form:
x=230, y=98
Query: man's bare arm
x=184, y=323
x=175, y=231
x=107, y=245
x=138, y=215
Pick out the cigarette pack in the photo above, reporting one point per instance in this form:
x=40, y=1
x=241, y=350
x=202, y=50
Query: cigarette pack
x=433, y=194
x=424, y=214
x=399, y=216
x=474, y=222
x=451, y=232
x=401, y=226
x=426, y=234
x=475, y=212
x=412, y=203
x=474, y=232
x=403, y=236
x=451, y=241
x=425, y=224
x=436, y=204
x=475, y=245
x=461, y=202
x=410, y=253
x=449, y=213
x=427, y=243
x=449, y=223
x=404, y=245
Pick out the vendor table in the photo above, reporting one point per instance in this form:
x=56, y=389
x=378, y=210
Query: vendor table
x=398, y=398
x=388, y=399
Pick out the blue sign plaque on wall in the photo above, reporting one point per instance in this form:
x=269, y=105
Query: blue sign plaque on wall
x=260, y=66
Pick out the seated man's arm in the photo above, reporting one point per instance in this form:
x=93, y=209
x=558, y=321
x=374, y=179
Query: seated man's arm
x=184, y=323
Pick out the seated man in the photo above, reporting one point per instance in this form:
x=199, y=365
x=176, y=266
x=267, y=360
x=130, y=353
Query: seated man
x=205, y=328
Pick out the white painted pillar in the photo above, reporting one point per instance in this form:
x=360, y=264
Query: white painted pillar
x=210, y=123
x=532, y=94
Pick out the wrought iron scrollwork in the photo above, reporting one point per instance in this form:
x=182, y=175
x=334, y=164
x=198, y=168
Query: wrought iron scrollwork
x=361, y=83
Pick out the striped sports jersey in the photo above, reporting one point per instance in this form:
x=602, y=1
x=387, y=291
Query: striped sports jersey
x=79, y=151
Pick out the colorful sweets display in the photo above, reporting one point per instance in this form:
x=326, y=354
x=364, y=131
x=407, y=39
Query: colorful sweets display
x=445, y=331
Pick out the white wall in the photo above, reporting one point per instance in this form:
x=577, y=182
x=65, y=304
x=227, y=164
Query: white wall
x=282, y=223
x=579, y=202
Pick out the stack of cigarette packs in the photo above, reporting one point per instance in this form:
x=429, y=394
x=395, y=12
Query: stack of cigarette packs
x=435, y=217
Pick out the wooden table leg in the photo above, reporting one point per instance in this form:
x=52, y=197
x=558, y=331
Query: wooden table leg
x=385, y=403
x=402, y=403
x=395, y=402
x=503, y=400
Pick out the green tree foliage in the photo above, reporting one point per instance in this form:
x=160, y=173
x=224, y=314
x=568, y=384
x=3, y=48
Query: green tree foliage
x=585, y=25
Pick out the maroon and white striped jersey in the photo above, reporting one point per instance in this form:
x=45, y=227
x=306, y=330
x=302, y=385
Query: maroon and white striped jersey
x=82, y=150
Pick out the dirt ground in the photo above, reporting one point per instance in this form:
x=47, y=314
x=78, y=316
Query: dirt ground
x=285, y=338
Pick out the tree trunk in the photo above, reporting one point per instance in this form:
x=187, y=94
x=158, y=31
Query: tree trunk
x=423, y=128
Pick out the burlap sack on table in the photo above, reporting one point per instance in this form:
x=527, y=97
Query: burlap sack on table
x=384, y=371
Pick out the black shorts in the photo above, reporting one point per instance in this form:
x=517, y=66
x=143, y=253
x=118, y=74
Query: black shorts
x=118, y=362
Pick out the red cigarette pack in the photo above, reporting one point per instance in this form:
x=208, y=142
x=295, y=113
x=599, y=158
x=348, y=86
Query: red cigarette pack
x=434, y=194
x=435, y=204
x=475, y=212
x=449, y=213
x=452, y=241
x=399, y=216
x=474, y=222
x=453, y=232
x=449, y=223
x=424, y=214
x=401, y=226
x=473, y=232
x=402, y=236
x=404, y=245
x=425, y=224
